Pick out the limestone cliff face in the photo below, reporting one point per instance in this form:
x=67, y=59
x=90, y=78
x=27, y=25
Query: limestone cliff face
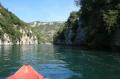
x=27, y=38
x=24, y=39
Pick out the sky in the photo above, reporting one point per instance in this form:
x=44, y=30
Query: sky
x=41, y=10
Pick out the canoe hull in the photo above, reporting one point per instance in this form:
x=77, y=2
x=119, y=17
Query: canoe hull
x=26, y=72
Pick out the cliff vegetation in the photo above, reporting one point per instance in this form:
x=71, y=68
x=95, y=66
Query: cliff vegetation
x=12, y=29
x=96, y=25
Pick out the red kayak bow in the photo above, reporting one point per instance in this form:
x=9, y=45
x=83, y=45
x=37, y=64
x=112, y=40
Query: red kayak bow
x=26, y=72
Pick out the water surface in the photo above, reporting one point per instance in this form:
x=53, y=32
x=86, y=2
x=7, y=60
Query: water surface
x=60, y=62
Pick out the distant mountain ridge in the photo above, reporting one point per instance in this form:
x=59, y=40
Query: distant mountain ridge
x=38, y=23
x=45, y=31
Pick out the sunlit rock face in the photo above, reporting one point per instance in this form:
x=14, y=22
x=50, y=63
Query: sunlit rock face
x=5, y=40
x=23, y=40
x=27, y=39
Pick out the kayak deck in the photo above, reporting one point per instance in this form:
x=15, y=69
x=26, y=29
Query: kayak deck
x=26, y=72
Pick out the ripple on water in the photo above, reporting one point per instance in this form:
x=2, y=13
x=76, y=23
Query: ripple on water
x=60, y=62
x=52, y=71
x=57, y=61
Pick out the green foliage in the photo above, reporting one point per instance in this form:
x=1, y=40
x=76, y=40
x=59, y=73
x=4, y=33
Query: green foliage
x=10, y=24
x=46, y=30
x=110, y=18
x=100, y=19
x=71, y=23
x=1, y=33
x=60, y=34
x=73, y=17
x=11, y=18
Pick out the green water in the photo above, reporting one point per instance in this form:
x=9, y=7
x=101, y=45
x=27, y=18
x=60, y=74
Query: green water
x=60, y=62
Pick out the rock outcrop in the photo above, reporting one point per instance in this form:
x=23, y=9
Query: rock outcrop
x=24, y=39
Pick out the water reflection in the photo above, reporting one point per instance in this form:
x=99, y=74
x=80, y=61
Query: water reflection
x=9, y=55
x=60, y=62
x=91, y=64
x=43, y=58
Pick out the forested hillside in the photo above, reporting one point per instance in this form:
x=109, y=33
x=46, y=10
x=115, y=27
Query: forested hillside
x=45, y=30
x=96, y=25
x=13, y=30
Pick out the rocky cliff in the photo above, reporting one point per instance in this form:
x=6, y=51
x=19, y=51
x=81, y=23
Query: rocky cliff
x=72, y=32
x=75, y=33
x=13, y=30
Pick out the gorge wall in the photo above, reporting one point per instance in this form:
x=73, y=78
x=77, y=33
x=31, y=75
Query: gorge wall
x=94, y=26
x=72, y=33
x=13, y=30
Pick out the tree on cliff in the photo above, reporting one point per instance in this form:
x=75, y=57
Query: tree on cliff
x=100, y=18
